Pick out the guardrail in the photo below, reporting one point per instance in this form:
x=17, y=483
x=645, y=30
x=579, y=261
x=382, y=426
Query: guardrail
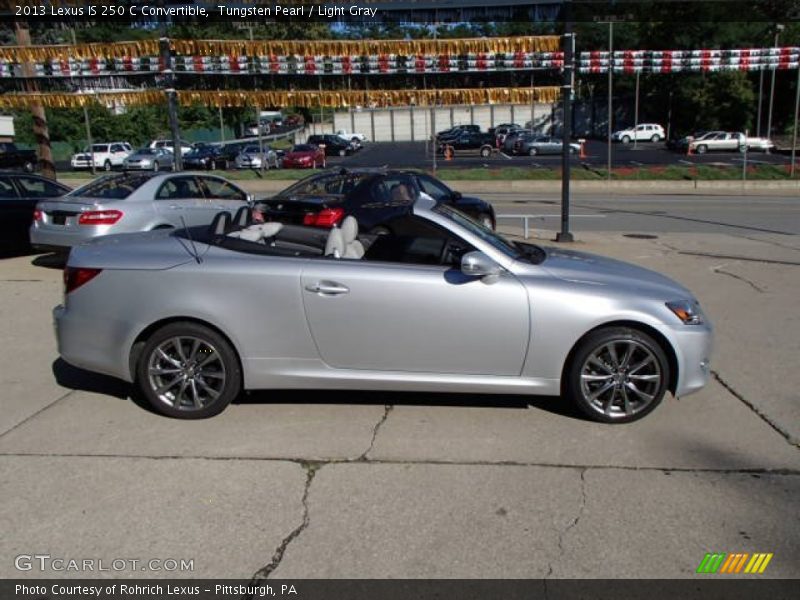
x=264, y=138
x=525, y=220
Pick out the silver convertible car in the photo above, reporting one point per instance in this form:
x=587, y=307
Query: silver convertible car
x=440, y=304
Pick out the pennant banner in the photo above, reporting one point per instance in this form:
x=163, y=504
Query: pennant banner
x=308, y=99
x=673, y=61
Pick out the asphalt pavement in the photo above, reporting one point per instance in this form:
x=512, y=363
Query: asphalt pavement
x=372, y=484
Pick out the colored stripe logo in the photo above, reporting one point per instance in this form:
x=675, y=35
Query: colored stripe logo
x=734, y=563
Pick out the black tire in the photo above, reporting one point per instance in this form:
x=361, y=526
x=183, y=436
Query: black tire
x=626, y=139
x=225, y=361
x=213, y=165
x=533, y=152
x=28, y=166
x=156, y=167
x=107, y=165
x=342, y=152
x=579, y=392
x=656, y=138
x=486, y=152
x=701, y=149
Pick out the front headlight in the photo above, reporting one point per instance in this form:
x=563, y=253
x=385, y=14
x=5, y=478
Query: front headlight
x=145, y=162
x=687, y=311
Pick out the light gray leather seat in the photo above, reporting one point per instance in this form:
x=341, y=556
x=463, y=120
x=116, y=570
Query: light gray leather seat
x=335, y=245
x=353, y=248
x=258, y=232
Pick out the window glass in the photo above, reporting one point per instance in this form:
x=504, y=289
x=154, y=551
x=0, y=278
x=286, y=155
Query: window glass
x=112, y=187
x=40, y=188
x=395, y=190
x=337, y=185
x=417, y=241
x=116, y=148
x=487, y=235
x=7, y=188
x=179, y=188
x=219, y=189
x=436, y=190
x=98, y=148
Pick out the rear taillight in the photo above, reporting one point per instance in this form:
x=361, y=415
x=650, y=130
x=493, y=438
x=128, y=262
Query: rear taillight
x=327, y=217
x=75, y=277
x=38, y=215
x=100, y=217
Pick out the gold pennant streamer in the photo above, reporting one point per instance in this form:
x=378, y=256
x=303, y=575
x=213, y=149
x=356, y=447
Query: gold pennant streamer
x=366, y=47
x=282, y=98
x=79, y=51
x=284, y=47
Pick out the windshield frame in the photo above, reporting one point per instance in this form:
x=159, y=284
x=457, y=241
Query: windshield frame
x=494, y=239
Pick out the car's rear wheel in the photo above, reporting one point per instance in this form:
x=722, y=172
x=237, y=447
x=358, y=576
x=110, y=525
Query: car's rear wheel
x=533, y=152
x=656, y=138
x=107, y=165
x=617, y=375
x=188, y=371
x=486, y=152
x=702, y=149
x=156, y=167
x=626, y=139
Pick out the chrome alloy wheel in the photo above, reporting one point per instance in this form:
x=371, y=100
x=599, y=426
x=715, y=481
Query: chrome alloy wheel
x=186, y=373
x=621, y=378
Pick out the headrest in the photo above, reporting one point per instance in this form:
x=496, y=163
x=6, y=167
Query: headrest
x=243, y=217
x=268, y=230
x=220, y=224
x=349, y=229
x=250, y=235
x=335, y=245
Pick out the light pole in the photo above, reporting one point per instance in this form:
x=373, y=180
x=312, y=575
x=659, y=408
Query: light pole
x=610, y=90
x=566, y=98
x=778, y=29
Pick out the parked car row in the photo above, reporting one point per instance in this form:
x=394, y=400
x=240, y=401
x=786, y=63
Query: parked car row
x=714, y=141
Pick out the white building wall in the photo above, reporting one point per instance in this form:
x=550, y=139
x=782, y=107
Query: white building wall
x=395, y=124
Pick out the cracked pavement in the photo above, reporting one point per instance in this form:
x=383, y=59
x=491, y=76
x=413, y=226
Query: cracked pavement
x=368, y=484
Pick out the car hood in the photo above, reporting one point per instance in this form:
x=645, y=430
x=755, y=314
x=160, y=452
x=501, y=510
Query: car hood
x=591, y=269
x=141, y=157
x=296, y=155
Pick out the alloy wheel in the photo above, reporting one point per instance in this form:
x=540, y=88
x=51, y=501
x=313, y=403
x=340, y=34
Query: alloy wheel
x=621, y=378
x=186, y=373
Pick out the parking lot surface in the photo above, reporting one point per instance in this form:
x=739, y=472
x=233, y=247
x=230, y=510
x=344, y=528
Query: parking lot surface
x=372, y=484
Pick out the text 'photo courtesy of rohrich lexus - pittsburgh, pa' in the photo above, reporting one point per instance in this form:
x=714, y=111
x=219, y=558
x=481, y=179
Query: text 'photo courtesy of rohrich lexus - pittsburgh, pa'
x=431, y=301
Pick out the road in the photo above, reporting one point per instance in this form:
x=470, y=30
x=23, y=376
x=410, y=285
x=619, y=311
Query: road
x=733, y=215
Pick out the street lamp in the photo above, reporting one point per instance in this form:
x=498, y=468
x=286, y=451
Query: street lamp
x=778, y=29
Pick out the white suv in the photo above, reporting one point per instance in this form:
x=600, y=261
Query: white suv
x=106, y=156
x=650, y=132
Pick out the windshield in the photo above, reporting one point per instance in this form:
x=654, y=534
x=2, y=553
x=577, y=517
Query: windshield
x=253, y=149
x=303, y=148
x=487, y=235
x=96, y=148
x=145, y=151
x=112, y=187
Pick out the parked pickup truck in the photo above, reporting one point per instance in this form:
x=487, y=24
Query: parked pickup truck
x=469, y=142
x=12, y=157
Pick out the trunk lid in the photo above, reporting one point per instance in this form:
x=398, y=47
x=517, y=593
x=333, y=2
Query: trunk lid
x=292, y=210
x=151, y=250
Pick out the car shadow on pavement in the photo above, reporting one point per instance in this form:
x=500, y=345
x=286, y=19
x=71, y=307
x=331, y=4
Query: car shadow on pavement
x=75, y=378
x=54, y=260
x=552, y=404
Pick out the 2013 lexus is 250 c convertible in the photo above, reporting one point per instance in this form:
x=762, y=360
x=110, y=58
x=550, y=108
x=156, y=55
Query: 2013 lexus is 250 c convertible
x=439, y=304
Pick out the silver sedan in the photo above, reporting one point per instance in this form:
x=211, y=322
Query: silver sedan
x=441, y=304
x=132, y=202
x=252, y=158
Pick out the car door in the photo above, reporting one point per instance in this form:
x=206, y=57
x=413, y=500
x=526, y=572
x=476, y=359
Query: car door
x=402, y=310
x=31, y=190
x=180, y=196
x=14, y=213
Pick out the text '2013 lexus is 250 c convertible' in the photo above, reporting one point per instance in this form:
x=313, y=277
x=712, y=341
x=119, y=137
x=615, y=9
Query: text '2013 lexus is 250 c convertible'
x=440, y=304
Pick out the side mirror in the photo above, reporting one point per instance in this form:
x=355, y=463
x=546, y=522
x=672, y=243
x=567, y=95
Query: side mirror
x=251, y=200
x=477, y=264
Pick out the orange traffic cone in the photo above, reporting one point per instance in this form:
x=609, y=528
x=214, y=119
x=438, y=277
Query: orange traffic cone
x=448, y=153
x=689, y=149
x=582, y=153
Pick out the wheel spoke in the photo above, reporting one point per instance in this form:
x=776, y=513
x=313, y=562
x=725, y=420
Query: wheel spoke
x=640, y=365
x=195, y=347
x=593, y=360
x=612, y=352
x=195, y=396
x=211, y=357
x=598, y=392
x=168, y=358
x=213, y=374
x=160, y=371
x=638, y=392
x=592, y=377
x=168, y=385
x=208, y=389
x=626, y=401
x=179, y=396
x=177, y=343
x=608, y=405
x=654, y=377
x=626, y=359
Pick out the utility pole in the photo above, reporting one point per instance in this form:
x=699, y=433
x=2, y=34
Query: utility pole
x=796, y=114
x=636, y=112
x=172, y=101
x=86, y=119
x=568, y=45
x=41, y=132
x=778, y=29
x=610, y=92
x=760, y=97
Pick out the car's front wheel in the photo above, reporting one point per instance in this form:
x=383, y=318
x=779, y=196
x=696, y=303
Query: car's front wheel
x=188, y=371
x=486, y=152
x=156, y=167
x=626, y=139
x=533, y=152
x=617, y=375
x=107, y=165
x=702, y=149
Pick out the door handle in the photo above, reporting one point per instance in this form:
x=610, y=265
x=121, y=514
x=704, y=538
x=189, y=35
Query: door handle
x=328, y=288
x=174, y=207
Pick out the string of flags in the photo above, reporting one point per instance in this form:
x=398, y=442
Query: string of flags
x=673, y=61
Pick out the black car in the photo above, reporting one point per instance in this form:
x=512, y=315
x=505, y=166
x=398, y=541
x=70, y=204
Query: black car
x=12, y=157
x=205, y=157
x=333, y=144
x=457, y=130
x=19, y=193
x=469, y=142
x=373, y=197
x=230, y=151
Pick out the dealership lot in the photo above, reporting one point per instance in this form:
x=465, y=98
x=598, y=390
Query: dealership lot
x=369, y=484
